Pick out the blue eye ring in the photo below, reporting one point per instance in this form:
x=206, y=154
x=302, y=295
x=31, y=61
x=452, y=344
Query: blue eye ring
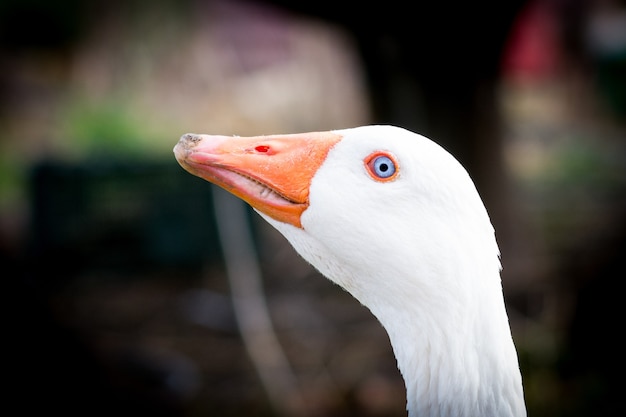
x=382, y=166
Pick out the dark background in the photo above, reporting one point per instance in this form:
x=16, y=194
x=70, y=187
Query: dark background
x=117, y=299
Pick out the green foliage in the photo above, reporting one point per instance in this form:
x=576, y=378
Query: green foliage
x=103, y=127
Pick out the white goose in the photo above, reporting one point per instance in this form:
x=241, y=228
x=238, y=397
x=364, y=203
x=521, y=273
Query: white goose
x=395, y=220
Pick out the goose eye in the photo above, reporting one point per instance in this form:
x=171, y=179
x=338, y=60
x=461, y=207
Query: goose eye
x=381, y=166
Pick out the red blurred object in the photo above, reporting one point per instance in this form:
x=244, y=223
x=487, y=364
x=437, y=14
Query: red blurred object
x=532, y=52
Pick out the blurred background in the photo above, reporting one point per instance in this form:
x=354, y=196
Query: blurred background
x=117, y=297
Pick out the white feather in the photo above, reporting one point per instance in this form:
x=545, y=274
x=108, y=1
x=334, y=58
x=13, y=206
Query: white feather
x=420, y=253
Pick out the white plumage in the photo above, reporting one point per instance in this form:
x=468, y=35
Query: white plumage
x=395, y=220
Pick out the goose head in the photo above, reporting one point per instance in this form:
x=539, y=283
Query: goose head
x=395, y=220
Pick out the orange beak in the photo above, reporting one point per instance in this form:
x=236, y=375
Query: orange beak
x=271, y=173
